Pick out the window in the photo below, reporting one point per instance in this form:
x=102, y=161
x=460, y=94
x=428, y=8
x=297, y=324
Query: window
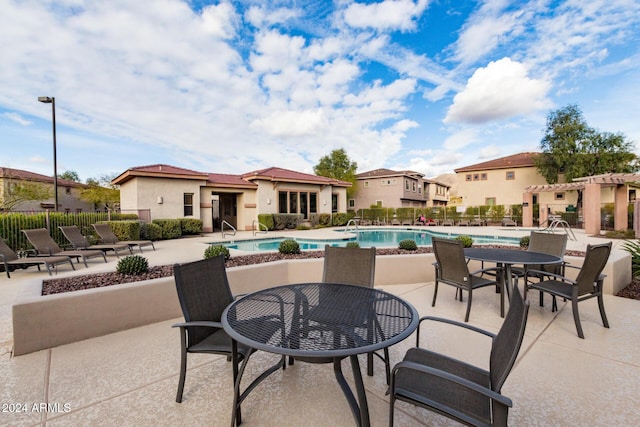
x=388, y=182
x=188, y=204
x=511, y=175
x=352, y=203
x=559, y=196
x=379, y=203
x=334, y=203
x=297, y=202
x=406, y=184
x=413, y=187
x=366, y=184
x=483, y=176
x=476, y=177
x=468, y=177
x=67, y=190
x=420, y=190
x=490, y=201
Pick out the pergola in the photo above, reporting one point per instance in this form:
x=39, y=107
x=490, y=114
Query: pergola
x=591, y=187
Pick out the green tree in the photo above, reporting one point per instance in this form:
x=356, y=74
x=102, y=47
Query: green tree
x=338, y=165
x=571, y=147
x=100, y=192
x=18, y=191
x=70, y=176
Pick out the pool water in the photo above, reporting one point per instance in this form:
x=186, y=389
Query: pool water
x=380, y=238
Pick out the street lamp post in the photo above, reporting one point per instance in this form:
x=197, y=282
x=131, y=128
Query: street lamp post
x=52, y=101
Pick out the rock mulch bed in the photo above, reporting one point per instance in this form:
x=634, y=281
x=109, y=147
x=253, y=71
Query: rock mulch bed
x=89, y=281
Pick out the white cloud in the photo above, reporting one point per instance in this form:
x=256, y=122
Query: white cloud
x=502, y=89
x=15, y=117
x=461, y=139
x=220, y=20
x=264, y=17
x=385, y=15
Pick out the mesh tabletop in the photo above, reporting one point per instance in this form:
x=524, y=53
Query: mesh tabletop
x=320, y=320
x=510, y=256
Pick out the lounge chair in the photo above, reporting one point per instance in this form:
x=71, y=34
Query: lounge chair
x=467, y=393
x=477, y=222
x=508, y=222
x=79, y=242
x=107, y=236
x=447, y=223
x=46, y=246
x=10, y=260
x=463, y=223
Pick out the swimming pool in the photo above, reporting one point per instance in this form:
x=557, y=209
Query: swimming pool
x=380, y=238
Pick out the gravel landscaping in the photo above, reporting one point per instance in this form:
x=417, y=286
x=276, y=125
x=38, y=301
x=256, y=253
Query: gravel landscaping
x=89, y=281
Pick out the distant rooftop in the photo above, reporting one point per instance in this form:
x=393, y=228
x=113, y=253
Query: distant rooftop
x=520, y=160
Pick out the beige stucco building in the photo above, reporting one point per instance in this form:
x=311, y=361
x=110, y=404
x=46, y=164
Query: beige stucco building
x=389, y=188
x=169, y=192
x=68, y=192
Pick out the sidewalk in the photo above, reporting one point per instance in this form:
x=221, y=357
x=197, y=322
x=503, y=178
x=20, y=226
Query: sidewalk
x=130, y=378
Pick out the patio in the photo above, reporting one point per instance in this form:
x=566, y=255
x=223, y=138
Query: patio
x=130, y=377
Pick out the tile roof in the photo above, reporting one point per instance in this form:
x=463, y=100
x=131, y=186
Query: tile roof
x=377, y=173
x=519, y=160
x=228, y=180
x=158, y=170
x=280, y=174
x=20, y=174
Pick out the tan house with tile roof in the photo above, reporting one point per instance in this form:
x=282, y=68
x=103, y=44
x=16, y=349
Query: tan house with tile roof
x=68, y=192
x=389, y=188
x=173, y=192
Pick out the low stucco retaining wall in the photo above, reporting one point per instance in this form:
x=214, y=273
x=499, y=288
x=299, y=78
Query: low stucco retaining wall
x=41, y=322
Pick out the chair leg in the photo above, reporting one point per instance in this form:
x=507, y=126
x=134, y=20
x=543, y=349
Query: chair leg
x=183, y=366
x=466, y=317
x=603, y=315
x=576, y=317
x=435, y=294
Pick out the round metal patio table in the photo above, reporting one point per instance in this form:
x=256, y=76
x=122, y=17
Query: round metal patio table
x=504, y=259
x=323, y=323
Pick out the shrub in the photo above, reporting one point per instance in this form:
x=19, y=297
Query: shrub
x=353, y=244
x=126, y=230
x=408, y=245
x=467, y=241
x=633, y=247
x=341, y=219
x=149, y=231
x=524, y=242
x=190, y=226
x=170, y=228
x=289, y=246
x=132, y=265
x=215, y=250
x=266, y=220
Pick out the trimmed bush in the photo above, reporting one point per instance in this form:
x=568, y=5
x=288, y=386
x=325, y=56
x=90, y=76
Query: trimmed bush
x=467, y=241
x=190, y=226
x=267, y=220
x=132, y=265
x=170, y=228
x=341, y=219
x=149, y=231
x=408, y=245
x=353, y=244
x=289, y=246
x=126, y=230
x=215, y=250
x=524, y=242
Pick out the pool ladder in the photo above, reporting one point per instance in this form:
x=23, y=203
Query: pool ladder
x=255, y=226
x=231, y=233
x=555, y=223
x=351, y=221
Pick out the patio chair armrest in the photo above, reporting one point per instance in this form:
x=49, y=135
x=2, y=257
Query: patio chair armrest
x=446, y=376
x=553, y=276
x=204, y=323
x=485, y=270
x=451, y=322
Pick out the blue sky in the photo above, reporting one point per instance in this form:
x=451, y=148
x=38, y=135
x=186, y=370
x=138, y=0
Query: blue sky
x=234, y=86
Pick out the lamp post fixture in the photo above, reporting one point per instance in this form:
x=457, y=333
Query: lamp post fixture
x=52, y=101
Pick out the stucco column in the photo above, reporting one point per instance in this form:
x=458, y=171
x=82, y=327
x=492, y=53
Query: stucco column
x=527, y=209
x=620, y=221
x=591, y=209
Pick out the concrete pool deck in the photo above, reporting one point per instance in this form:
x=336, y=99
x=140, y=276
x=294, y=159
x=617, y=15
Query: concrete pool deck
x=130, y=377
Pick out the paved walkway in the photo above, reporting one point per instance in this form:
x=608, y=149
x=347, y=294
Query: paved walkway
x=130, y=378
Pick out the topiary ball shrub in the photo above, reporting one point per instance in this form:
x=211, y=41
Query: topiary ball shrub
x=215, y=250
x=408, y=245
x=353, y=244
x=132, y=265
x=289, y=246
x=467, y=241
x=524, y=242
